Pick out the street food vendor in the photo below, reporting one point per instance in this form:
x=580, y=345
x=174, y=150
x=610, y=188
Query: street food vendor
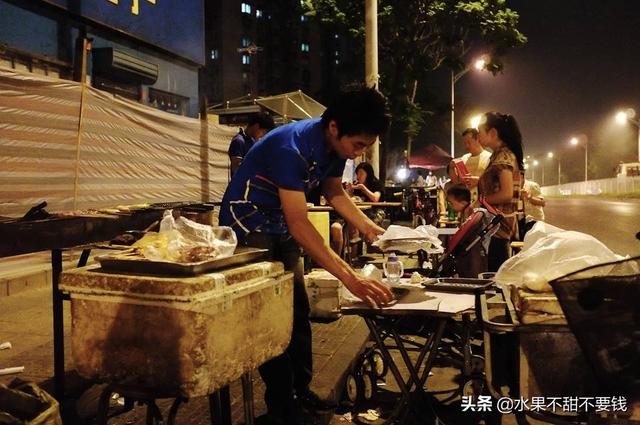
x=265, y=204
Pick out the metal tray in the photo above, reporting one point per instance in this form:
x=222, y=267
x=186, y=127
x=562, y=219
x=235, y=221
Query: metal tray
x=457, y=284
x=131, y=262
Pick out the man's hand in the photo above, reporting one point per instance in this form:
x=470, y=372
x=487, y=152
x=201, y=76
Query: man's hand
x=370, y=291
x=471, y=181
x=371, y=231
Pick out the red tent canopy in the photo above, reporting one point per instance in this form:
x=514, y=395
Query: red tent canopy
x=430, y=157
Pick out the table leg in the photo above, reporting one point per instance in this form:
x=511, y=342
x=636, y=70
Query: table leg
x=58, y=325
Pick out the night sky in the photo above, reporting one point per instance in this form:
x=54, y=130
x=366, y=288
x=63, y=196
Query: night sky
x=581, y=64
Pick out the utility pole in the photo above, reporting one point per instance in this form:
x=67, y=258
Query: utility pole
x=371, y=67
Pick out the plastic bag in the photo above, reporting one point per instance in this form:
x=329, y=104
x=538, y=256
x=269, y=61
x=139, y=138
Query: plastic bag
x=185, y=241
x=552, y=255
x=408, y=240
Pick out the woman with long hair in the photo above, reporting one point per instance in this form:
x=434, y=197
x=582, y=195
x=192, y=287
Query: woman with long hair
x=366, y=188
x=500, y=184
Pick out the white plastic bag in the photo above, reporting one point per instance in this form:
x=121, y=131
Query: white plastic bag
x=185, y=241
x=408, y=240
x=552, y=256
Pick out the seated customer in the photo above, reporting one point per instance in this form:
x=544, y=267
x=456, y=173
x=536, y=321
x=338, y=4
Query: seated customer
x=474, y=261
x=366, y=188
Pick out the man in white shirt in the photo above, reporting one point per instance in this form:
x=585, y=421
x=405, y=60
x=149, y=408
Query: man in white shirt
x=476, y=160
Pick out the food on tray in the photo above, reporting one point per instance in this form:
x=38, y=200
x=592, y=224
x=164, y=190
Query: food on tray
x=416, y=278
x=184, y=241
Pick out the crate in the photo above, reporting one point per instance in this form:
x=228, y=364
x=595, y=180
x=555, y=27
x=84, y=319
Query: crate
x=180, y=335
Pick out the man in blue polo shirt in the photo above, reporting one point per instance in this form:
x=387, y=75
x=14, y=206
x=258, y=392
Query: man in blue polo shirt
x=259, y=124
x=265, y=204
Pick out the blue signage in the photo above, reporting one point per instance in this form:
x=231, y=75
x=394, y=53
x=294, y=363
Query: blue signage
x=173, y=25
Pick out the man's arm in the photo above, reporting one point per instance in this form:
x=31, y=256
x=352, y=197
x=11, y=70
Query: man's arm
x=235, y=163
x=340, y=201
x=295, y=212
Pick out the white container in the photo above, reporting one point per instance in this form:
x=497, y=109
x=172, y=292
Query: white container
x=325, y=294
x=179, y=335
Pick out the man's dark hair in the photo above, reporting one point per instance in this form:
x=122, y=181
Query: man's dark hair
x=264, y=121
x=460, y=193
x=361, y=110
x=472, y=131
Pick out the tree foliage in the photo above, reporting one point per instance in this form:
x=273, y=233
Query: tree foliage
x=418, y=36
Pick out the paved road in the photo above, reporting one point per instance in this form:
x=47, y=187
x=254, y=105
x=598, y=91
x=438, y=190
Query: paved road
x=615, y=223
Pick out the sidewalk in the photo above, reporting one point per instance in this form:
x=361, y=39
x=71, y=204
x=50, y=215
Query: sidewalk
x=26, y=322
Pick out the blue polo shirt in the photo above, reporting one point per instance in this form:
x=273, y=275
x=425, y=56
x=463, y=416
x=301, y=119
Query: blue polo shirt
x=294, y=157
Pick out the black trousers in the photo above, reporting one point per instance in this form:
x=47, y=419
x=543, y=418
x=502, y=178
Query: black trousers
x=291, y=371
x=498, y=253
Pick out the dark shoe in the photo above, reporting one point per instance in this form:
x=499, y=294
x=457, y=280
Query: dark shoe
x=311, y=401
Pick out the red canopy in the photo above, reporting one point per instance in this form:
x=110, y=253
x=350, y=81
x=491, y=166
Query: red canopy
x=430, y=157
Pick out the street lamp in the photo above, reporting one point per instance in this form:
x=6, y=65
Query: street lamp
x=479, y=65
x=533, y=169
x=475, y=121
x=623, y=117
x=551, y=155
x=575, y=142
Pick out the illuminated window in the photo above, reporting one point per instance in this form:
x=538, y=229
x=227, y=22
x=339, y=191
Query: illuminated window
x=246, y=42
x=258, y=13
x=246, y=8
x=215, y=54
x=304, y=47
x=304, y=18
x=246, y=59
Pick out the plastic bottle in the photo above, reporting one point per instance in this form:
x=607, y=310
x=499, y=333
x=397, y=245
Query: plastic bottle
x=393, y=269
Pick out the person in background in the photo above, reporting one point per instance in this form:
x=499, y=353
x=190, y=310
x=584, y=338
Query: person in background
x=533, y=201
x=265, y=205
x=474, y=262
x=476, y=160
x=259, y=125
x=367, y=188
x=499, y=185
x=431, y=180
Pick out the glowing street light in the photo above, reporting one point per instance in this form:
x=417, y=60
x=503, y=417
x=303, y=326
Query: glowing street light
x=550, y=155
x=402, y=173
x=475, y=121
x=575, y=142
x=479, y=65
x=628, y=115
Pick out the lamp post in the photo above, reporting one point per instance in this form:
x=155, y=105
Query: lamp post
x=575, y=142
x=622, y=117
x=533, y=169
x=551, y=155
x=479, y=65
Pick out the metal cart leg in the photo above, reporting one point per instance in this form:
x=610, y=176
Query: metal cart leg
x=220, y=407
x=58, y=319
x=173, y=411
x=58, y=325
x=247, y=395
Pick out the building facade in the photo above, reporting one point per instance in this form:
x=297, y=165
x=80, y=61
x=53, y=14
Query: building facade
x=142, y=50
x=265, y=47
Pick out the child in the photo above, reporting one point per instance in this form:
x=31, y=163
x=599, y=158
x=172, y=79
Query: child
x=459, y=196
x=473, y=262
